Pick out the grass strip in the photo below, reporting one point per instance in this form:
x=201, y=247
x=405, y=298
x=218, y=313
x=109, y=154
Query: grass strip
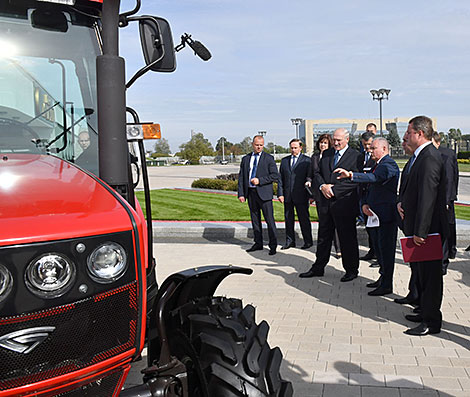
x=180, y=205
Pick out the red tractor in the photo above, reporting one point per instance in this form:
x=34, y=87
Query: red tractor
x=78, y=293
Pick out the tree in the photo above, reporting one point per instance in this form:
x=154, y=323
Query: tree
x=393, y=138
x=269, y=148
x=162, y=146
x=245, y=145
x=195, y=148
x=455, y=134
x=227, y=146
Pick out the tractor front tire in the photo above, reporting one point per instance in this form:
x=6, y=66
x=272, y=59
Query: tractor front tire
x=225, y=352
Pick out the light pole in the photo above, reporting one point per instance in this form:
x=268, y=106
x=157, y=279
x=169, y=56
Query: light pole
x=262, y=133
x=297, y=121
x=223, y=149
x=380, y=95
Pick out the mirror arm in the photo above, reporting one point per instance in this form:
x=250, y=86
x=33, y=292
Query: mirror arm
x=123, y=18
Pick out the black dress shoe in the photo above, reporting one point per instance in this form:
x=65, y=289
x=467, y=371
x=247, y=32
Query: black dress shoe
x=422, y=330
x=348, y=277
x=306, y=246
x=255, y=247
x=287, y=246
x=405, y=301
x=367, y=257
x=313, y=272
x=374, y=264
x=380, y=291
x=414, y=318
x=272, y=251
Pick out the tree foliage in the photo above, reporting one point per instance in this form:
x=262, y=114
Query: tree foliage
x=226, y=144
x=269, y=148
x=196, y=147
x=162, y=146
x=393, y=138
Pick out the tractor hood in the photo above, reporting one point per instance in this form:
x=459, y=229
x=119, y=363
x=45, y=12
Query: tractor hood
x=44, y=198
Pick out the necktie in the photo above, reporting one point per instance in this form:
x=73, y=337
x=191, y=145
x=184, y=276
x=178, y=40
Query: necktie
x=366, y=159
x=336, y=158
x=412, y=160
x=253, y=170
x=294, y=159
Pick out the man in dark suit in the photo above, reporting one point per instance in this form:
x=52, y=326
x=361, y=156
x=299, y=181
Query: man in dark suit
x=452, y=178
x=380, y=200
x=368, y=163
x=423, y=211
x=257, y=173
x=338, y=207
x=291, y=191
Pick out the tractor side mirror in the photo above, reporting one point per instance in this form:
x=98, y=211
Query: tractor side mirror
x=157, y=44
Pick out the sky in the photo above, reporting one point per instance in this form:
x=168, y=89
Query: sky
x=276, y=60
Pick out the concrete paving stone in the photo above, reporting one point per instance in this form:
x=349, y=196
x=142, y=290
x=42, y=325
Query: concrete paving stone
x=309, y=365
x=380, y=333
x=305, y=338
x=293, y=355
x=431, y=342
x=418, y=393
x=398, y=341
x=293, y=346
x=275, y=338
x=367, y=358
x=334, y=356
x=318, y=331
x=407, y=351
x=366, y=380
x=313, y=347
x=335, y=378
x=452, y=393
x=412, y=370
x=346, y=332
x=330, y=390
x=441, y=383
x=365, y=326
x=462, y=353
x=293, y=330
x=345, y=347
x=308, y=390
x=435, y=361
x=385, y=369
x=465, y=383
x=449, y=372
x=336, y=339
x=410, y=382
x=374, y=391
x=460, y=362
x=342, y=367
x=338, y=324
x=366, y=340
x=400, y=360
x=376, y=349
x=439, y=351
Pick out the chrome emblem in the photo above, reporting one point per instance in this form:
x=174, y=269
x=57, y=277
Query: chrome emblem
x=26, y=340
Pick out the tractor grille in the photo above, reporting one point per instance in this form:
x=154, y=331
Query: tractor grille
x=86, y=332
x=103, y=387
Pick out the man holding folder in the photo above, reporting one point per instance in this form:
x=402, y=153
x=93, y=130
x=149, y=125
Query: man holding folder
x=423, y=211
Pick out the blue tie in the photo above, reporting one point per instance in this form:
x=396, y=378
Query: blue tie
x=336, y=159
x=412, y=160
x=253, y=170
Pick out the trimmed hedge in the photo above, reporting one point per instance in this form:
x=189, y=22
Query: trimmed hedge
x=220, y=184
x=463, y=161
x=215, y=184
x=463, y=155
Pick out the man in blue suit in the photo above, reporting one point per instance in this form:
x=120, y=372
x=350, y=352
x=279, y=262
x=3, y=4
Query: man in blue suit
x=291, y=191
x=380, y=199
x=258, y=171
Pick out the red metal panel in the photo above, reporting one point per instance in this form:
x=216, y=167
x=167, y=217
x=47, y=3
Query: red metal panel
x=44, y=198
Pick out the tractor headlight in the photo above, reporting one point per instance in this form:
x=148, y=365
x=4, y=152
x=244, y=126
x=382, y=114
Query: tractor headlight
x=6, y=282
x=50, y=275
x=107, y=263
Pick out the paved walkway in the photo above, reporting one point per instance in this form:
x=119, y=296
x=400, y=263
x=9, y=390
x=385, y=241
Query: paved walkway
x=336, y=340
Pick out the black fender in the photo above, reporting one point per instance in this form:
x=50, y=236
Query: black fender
x=177, y=290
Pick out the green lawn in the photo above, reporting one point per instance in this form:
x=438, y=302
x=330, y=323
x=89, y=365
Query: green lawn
x=462, y=212
x=177, y=205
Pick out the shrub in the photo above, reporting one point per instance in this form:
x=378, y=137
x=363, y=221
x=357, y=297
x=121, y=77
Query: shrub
x=228, y=177
x=215, y=184
x=463, y=161
x=463, y=155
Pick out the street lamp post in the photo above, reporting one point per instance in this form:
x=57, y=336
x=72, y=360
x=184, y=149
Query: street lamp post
x=262, y=133
x=380, y=95
x=297, y=121
x=223, y=149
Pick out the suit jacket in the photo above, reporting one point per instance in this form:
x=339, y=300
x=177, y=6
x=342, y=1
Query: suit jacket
x=423, y=195
x=292, y=180
x=368, y=166
x=266, y=172
x=452, y=173
x=345, y=201
x=382, y=189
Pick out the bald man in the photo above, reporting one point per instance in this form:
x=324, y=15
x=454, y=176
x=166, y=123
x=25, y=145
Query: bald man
x=338, y=207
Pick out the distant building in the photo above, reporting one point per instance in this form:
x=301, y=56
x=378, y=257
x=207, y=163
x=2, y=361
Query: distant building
x=310, y=130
